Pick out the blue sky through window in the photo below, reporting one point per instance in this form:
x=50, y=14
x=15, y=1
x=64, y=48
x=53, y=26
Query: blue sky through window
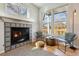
x=60, y=16
x=47, y=19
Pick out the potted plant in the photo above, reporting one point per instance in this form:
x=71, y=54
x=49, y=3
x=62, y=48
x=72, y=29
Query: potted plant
x=39, y=35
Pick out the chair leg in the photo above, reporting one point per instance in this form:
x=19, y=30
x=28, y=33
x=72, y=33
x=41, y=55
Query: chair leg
x=65, y=47
x=58, y=44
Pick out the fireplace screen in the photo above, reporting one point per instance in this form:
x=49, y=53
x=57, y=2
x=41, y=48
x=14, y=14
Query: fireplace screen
x=19, y=35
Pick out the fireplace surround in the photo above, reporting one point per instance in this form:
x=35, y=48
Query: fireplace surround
x=23, y=35
x=9, y=28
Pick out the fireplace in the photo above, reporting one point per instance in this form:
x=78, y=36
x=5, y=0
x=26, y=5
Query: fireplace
x=19, y=35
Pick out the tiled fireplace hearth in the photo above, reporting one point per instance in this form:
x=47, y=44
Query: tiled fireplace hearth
x=20, y=25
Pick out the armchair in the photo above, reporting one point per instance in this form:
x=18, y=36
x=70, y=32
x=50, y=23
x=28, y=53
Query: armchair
x=68, y=40
x=39, y=35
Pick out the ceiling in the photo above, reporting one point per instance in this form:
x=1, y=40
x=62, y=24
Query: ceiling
x=48, y=5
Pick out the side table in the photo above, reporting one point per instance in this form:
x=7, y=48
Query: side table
x=51, y=41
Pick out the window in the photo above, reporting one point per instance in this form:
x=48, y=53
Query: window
x=60, y=23
x=47, y=24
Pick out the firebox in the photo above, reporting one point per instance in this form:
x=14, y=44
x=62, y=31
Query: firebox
x=19, y=35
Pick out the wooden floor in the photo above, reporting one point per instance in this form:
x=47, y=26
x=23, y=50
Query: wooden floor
x=50, y=49
x=61, y=51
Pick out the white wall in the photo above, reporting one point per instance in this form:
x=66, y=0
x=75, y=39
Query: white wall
x=41, y=15
x=1, y=37
x=73, y=7
x=34, y=14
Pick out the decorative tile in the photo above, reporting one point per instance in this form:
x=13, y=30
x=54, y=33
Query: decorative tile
x=7, y=48
x=24, y=25
x=7, y=24
x=7, y=39
x=24, y=43
x=21, y=25
x=8, y=43
x=7, y=34
x=17, y=45
x=27, y=25
x=13, y=46
x=7, y=29
x=13, y=25
x=21, y=44
x=17, y=25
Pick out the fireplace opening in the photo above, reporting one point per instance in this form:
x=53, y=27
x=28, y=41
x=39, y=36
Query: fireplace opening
x=19, y=35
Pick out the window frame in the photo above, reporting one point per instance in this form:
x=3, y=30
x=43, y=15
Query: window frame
x=59, y=21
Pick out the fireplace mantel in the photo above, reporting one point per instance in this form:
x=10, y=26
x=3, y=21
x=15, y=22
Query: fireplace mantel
x=10, y=19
